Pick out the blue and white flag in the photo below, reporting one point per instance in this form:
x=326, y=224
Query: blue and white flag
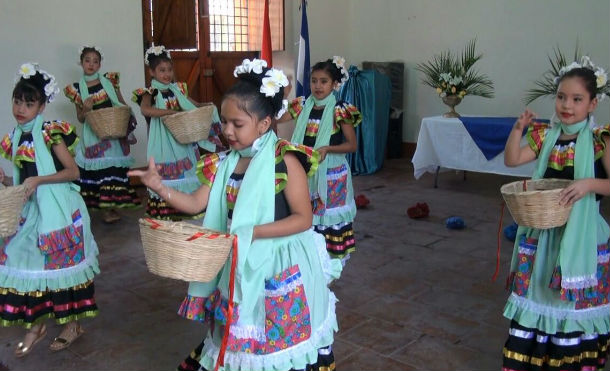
x=303, y=69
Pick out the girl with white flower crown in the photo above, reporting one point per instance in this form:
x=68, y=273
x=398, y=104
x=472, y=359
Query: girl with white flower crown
x=176, y=162
x=560, y=277
x=103, y=163
x=283, y=314
x=47, y=265
x=327, y=125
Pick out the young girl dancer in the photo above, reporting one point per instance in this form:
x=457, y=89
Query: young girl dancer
x=47, y=266
x=284, y=312
x=560, y=277
x=177, y=162
x=327, y=125
x=103, y=163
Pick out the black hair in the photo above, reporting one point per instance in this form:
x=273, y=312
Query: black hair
x=31, y=89
x=587, y=76
x=251, y=100
x=330, y=68
x=87, y=50
x=154, y=60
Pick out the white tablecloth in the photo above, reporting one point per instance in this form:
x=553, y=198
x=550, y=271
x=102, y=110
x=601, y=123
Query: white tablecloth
x=445, y=142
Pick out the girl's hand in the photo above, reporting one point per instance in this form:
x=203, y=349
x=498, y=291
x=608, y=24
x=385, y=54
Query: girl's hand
x=574, y=192
x=525, y=119
x=322, y=151
x=30, y=185
x=88, y=105
x=150, y=177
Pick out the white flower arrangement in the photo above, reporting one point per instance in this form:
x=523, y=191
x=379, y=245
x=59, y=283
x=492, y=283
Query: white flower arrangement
x=156, y=50
x=340, y=63
x=30, y=69
x=80, y=51
x=271, y=83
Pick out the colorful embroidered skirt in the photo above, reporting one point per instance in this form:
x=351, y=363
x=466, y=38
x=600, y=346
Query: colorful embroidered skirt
x=549, y=332
x=48, y=275
x=286, y=324
x=107, y=188
x=339, y=239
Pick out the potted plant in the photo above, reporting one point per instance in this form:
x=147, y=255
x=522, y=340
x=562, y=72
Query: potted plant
x=453, y=77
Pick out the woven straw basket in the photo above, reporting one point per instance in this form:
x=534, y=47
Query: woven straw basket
x=109, y=123
x=537, y=206
x=183, y=251
x=190, y=126
x=11, y=203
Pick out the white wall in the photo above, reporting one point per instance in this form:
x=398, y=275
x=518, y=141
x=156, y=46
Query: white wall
x=514, y=36
x=51, y=33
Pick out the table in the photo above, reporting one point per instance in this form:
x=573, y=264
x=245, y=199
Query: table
x=445, y=143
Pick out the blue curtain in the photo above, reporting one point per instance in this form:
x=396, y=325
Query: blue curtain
x=370, y=91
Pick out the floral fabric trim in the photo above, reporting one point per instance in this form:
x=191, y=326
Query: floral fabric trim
x=114, y=78
x=346, y=113
x=54, y=132
x=170, y=102
x=563, y=155
x=193, y=308
x=296, y=106
x=64, y=247
x=231, y=191
x=519, y=281
x=207, y=166
x=336, y=186
x=97, y=150
x=307, y=156
x=71, y=92
x=174, y=170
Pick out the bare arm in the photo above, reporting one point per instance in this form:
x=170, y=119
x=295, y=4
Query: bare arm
x=297, y=195
x=120, y=96
x=514, y=154
x=149, y=111
x=69, y=173
x=192, y=203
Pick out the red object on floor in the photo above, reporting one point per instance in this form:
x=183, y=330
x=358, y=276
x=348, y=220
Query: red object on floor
x=361, y=201
x=420, y=210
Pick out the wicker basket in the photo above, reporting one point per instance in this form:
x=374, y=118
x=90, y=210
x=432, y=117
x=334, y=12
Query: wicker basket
x=190, y=126
x=537, y=206
x=109, y=123
x=11, y=204
x=183, y=251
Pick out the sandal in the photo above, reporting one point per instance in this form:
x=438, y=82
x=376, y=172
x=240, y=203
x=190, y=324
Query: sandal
x=66, y=338
x=22, y=350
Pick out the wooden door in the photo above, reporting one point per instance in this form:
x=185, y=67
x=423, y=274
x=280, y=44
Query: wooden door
x=183, y=27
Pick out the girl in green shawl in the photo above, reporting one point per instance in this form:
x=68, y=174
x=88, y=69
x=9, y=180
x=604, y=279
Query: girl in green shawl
x=176, y=162
x=47, y=265
x=283, y=314
x=559, y=279
x=103, y=163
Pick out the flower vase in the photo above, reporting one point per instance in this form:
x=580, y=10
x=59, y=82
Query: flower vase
x=451, y=101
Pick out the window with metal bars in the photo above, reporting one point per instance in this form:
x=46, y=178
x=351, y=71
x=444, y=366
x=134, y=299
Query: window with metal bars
x=228, y=25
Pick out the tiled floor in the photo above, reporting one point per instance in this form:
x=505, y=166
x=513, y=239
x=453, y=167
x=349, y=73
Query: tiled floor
x=415, y=295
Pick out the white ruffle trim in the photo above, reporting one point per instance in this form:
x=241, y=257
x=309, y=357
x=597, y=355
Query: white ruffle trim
x=249, y=332
x=45, y=274
x=325, y=260
x=285, y=289
x=580, y=282
x=247, y=361
x=558, y=313
x=526, y=250
x=95, y=163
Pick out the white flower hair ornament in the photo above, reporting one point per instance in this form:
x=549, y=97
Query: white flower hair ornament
x=247, y=66
x=601, y=77
x=82, y=48
x=156, y=50
x=340, y=63
x=30, y=69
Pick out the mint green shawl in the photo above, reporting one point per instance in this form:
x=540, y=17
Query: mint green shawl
x=54, y=208
x=577, y=259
